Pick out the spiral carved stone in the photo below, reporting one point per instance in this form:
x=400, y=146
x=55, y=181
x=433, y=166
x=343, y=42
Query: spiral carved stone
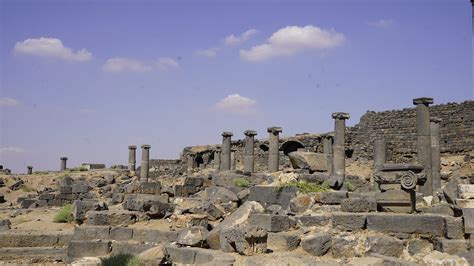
x=408, y=180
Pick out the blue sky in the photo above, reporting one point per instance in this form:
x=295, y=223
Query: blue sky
x=85, y=79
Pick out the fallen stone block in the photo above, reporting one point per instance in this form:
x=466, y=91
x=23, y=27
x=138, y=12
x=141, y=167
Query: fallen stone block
x=219, y=194
x=450, y=190
x=317, y=244
x=197, y=256
x=154, y=236
x=308, y=160
x=301, y=203
x=331, y=197
x=121, y=233
x=91, y=232
x=152, y=188
x=152, y=256
x=465, y=203
x=246, y=240
x=215, y=211
x=193, y=237
x=466, y=191
x=359, y=205
x=283, y=241
x=16, y=185
x=372, y=261
x=81, y=207
x=454, y=227
x=451, y=246
x=438, y=258
x=240, y=216
x=419, y=246
x=112, y=218
x=122, y=247
x=5, y=225
x=468, y=215
x=313, y=220
x=141, y=202
x=28, y=239
x=80, y=188
x=387, y=260
x=406, y=223
x=349, y=221
x=271, y=222
x=273, y=195
x=83, y=248
x=441, y=208
x=347, y=246
x=117, y=198
x=385, y=245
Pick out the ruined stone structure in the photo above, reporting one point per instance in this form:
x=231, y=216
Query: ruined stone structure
x=29, y=170
x=63, y=164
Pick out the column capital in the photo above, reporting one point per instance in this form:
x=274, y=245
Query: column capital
x=340, y=115
x=250, y=133
x=227, y=134
x=132, y=147
x=63, y=158
x=423, y=100
x=146, y=146
x=436, y=120
x=274, y=130
x=29, y=167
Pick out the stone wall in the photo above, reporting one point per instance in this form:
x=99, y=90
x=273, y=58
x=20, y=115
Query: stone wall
x=159, y=167
x=398, y=127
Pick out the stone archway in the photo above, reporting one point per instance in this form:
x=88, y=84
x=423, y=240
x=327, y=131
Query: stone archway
x=291, y=146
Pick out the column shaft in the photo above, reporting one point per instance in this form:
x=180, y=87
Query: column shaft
x=145, y=166
x=435, y=154
x=132, y=158
x=424, y=142
x=226, y=145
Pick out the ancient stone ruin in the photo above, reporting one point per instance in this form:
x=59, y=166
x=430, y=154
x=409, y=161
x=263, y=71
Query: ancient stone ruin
x=395, y=189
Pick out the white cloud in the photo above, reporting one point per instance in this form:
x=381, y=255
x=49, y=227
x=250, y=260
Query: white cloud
x=292, y=40
x=237, y=104
x=51, y=47
x=120, y=64
x=166, y=63
x=234, y=40
x=12, y=150
x=211, y=52
x=8, y=102
x=382, y=23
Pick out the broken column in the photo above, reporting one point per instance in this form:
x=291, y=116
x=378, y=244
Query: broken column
x=63, y=164
x=145, y=163
x=217, y=159
x=29, y=170
x=380, y=153
x=338, y=151
x=132, y=157
x=233, y=159
x=248, y=151
x=327, y=150
x=190, y=162
x=225, y=155
x=424, y=141
x=435, y=153
x=274, y=149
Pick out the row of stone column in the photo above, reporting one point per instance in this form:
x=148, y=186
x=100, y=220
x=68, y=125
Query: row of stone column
x=428, y=146
x=145, y=164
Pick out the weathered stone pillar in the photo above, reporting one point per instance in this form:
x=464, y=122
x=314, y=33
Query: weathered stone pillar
x=29, y=170
x=248, y=151
x=380, y=153
x=338, y=151
x=1, y=167
x=274, y=149
x=225, y=155
x=63, y=164
x=217, y=159
x=190, y=162
x=424, y=141
x=145, y=167
x=327, y=150
x=132, y=157
x=233, y=160
x=435, y=153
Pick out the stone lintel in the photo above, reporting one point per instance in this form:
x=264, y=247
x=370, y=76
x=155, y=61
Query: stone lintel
x=423, y=100
x=340, y=115
x=250, y=133
x=274, y=130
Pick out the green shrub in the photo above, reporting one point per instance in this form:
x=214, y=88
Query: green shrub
x=64, y=215
x=241, y=182
x=121, y=260
x=306, y=187
x=40, y=172
x=350, y=186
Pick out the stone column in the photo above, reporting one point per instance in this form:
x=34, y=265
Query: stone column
x=217, y=159
x=274, y=149
x=380, y=153
x=338, y=151
x=435, y=153
x=248, y=151
x=190, y=162
x=424, y=141
x=63, y=164
x=233, y=160
x=145, y=163
x=29, y=170
x=327, y=150
x=225, y=155
x=132, y=157
x=1, y=167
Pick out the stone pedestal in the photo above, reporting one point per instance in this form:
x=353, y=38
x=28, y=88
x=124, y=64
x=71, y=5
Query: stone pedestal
x=435, y=153
x=338, y=151
x=225, y=155
x=424, y=141
x=145, y=163
x=249, y=151
x=63, y=164
x=132, y=158
x=274, y=149
x=29, y=170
